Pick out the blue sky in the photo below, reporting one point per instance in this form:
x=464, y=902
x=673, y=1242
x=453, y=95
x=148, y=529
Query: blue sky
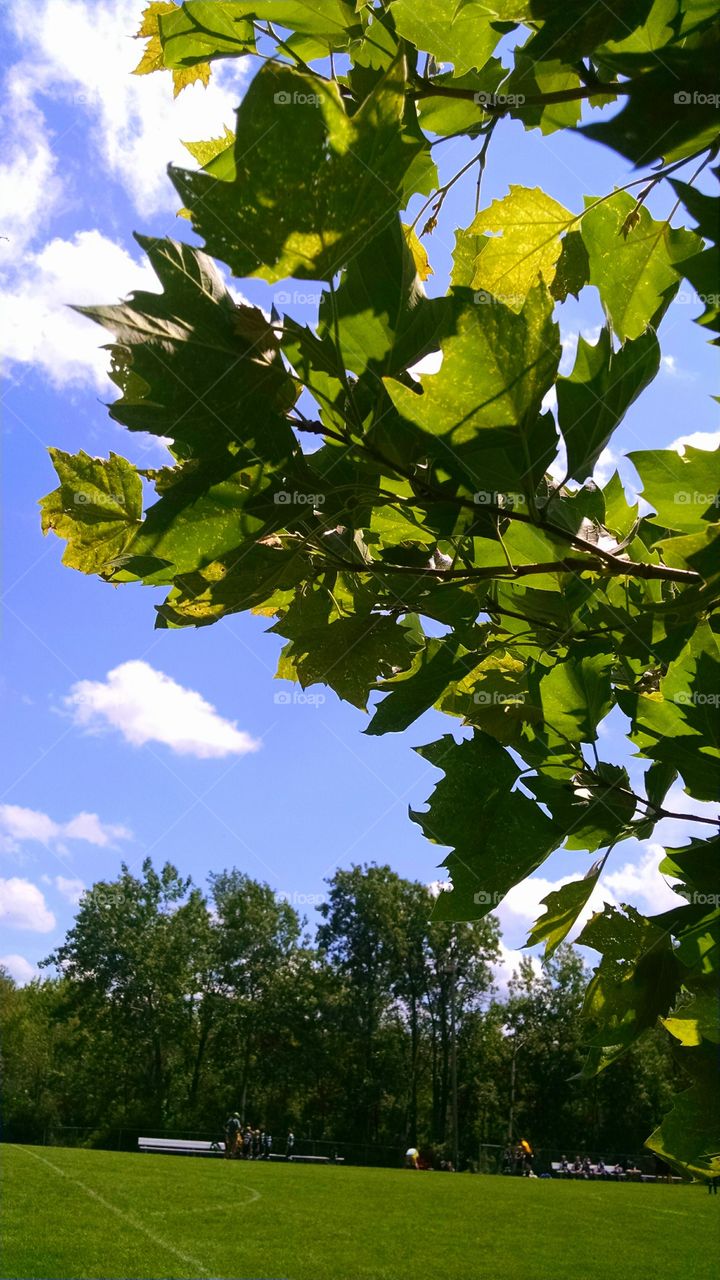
x=122, y=741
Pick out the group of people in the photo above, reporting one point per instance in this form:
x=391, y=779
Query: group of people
x=518, y=1160
x=582, y=1168
x=242, y=1142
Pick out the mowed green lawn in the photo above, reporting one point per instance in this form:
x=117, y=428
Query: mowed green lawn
x=70, y=1214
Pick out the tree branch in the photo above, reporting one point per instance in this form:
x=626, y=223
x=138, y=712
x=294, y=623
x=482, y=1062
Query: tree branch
x=570, y=564
x=428, y=89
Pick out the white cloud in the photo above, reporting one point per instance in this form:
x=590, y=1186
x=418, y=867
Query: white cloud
x=30, y=188
x=81, y=50
x=431, y=363
x=697, y=440
x=18, y=824
x=145, y=705
x=19, y=968
x=23, y=906
x=70, y=888
x=39, y=326
x=640, y=883
x=436, y=887
x=508, y=965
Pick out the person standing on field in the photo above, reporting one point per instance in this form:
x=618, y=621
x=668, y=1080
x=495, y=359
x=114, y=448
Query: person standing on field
x=232, y=1134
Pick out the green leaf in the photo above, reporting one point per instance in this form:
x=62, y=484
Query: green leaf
x=679, y=723
x=563, y=905
x=380, y=314
x=697, y=1021
x=526, y=250
x=97, y=509
x=532, y=79
x=592, y=807
x=437, y=665
x=205, y=152
x=349, y=654
x=637, y=980
x=496, y=369
x=445, y=115
x=199, y=32
x=461, y=34
x=593, y=26
x=683, y=488
x=658, y=781
x=192, y=364
x=634, y=273
x=248, y=578
x=689, y=1137
x=659, y=119
x=703, y=272
x=593, y=400
x=575, y=696
x=497, y=835
x=572, y=270
x=311, y=184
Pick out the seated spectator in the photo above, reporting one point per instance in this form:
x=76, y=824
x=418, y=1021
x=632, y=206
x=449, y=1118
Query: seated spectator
x=564, y=1168
x=577, y=1165
x=618, y=1170
x=586, y=1167
x=600, y=1170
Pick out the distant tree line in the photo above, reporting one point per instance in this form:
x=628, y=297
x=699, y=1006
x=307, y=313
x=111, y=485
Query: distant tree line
x=173, y=1006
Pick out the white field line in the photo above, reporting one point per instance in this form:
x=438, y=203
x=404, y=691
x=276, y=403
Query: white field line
x=120, y=1213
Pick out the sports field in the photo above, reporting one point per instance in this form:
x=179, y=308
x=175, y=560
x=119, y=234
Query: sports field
x=71, y=1214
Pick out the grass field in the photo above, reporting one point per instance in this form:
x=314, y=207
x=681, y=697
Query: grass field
x=72, y=1214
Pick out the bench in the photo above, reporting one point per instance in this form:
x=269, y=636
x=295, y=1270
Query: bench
x=194, y=1147
x=181, y=1147
x=306, y=1159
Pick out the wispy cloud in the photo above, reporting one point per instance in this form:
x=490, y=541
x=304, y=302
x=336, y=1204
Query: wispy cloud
x=19, y=825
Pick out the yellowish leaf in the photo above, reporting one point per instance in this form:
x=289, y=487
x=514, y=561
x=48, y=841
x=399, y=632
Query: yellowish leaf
x=419, y=253
x=183, y=76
